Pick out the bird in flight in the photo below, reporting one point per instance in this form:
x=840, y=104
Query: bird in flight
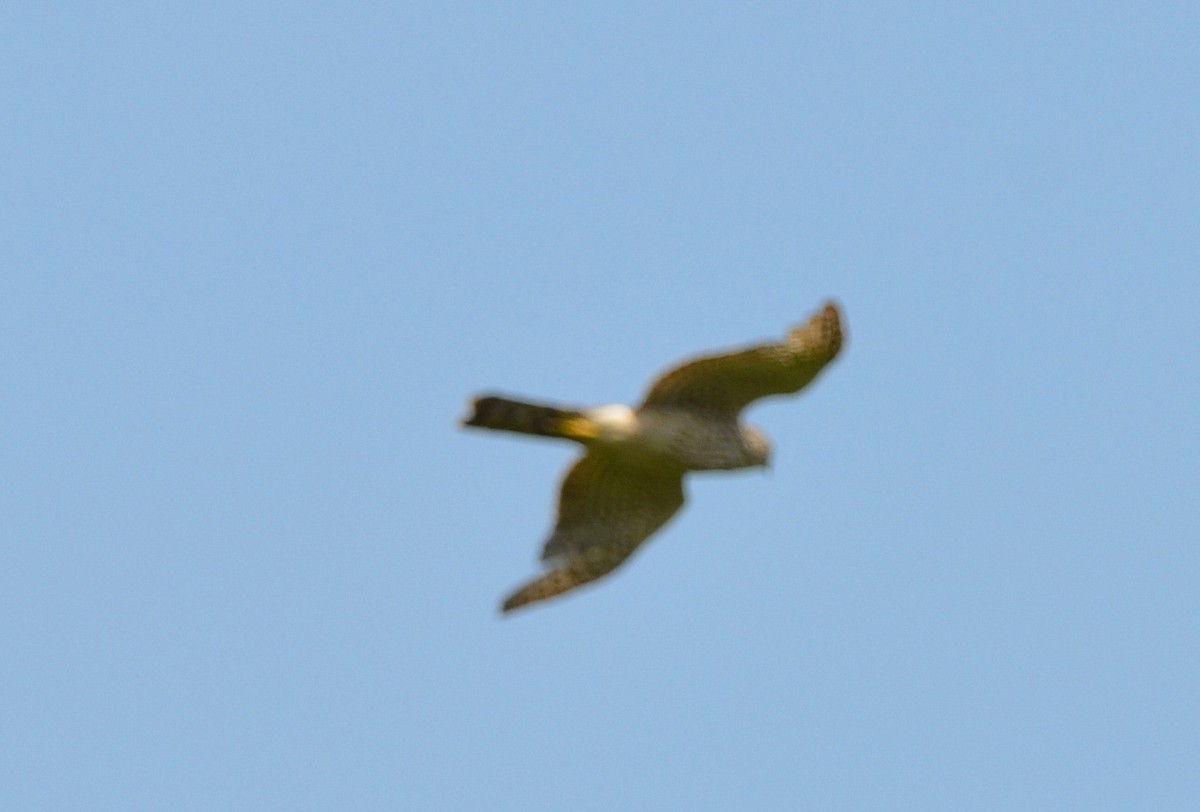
x=629, y=481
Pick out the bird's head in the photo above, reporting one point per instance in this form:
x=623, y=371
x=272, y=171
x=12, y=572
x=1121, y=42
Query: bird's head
x=758, y=447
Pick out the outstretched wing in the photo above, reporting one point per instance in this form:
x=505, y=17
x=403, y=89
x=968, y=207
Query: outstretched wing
x=608, y=506
x=726, y=384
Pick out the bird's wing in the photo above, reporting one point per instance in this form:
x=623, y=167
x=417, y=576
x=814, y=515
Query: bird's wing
x=726, y=384
x=607, y=507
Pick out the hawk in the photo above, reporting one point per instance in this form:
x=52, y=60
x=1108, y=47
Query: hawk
x=629, y=481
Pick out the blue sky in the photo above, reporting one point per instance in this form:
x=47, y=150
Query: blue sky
x=257, y=257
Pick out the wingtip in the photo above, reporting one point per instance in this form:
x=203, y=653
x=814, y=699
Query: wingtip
x=508, y=605
x=514, y=602
x=550, y=585
x=824, y=330
x=831, y=317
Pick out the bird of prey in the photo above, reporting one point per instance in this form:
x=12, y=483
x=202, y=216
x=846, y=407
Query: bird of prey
x=629, y=481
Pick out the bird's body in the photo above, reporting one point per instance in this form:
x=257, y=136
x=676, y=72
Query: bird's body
x=630, y=481
x=693, y=440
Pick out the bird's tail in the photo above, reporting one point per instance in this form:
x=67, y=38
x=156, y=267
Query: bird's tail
x=503, y=414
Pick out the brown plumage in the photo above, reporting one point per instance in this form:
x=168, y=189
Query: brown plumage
x=629, y=482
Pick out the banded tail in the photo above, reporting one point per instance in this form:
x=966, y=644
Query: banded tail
x=503, y=414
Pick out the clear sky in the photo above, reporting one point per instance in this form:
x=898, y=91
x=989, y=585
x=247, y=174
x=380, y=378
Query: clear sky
x=256, y=257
